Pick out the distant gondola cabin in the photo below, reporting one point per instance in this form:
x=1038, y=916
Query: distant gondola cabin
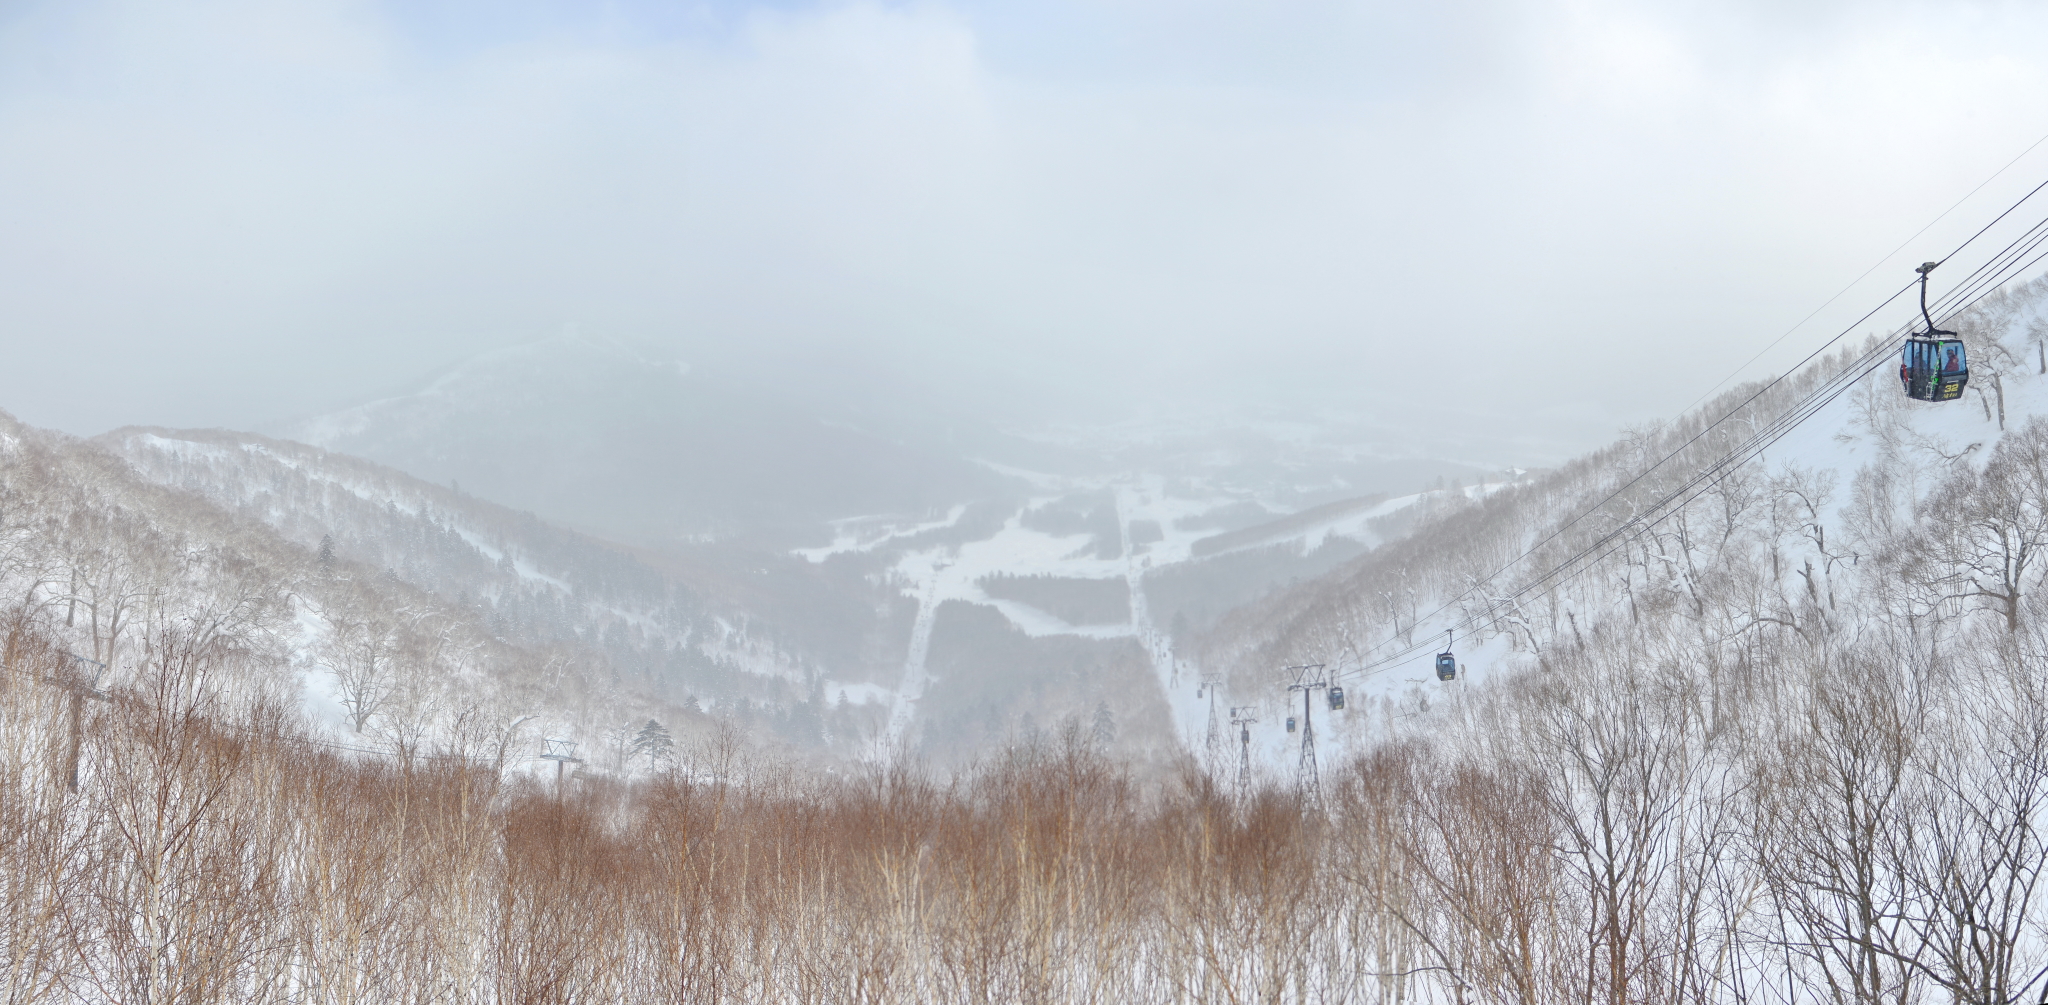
x=1446, y=666
x=1290, y=724
x=1336, y=698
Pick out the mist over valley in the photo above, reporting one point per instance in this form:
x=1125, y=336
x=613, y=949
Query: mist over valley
x=865, y=502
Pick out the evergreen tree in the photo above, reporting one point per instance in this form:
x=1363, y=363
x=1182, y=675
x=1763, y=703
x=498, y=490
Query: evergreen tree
x=1105, y=725
x=652, y=740
x=326, y=549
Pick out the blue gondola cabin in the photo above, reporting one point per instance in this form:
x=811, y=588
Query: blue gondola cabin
x=1934, y=369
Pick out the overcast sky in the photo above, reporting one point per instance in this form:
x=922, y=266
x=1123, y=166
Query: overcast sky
x=1539, y=220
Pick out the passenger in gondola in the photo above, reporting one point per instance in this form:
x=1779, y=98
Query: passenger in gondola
x=1954, y=364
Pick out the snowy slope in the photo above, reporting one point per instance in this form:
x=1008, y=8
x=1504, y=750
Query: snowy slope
x=117, y=566
x=530, y=583
x=1534, y=567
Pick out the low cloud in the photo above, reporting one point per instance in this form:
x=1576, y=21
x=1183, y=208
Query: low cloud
x=1492, y=214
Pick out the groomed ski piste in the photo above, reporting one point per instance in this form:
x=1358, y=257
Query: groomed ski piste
x=1865, y=422
x=954, y=572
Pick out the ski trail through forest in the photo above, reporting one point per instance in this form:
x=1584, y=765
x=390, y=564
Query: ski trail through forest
x=1158, y=652
x=914, y=676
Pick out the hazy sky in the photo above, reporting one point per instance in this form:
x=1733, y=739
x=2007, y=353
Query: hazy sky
x=1548, y=218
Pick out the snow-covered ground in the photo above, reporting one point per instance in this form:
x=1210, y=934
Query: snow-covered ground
x=955, y=572
x=1836, y=442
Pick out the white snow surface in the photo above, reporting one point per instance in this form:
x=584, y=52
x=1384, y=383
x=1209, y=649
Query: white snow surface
x=1838, y=439
x=953, y=572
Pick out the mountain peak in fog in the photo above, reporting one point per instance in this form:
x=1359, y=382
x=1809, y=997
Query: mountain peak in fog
x=605, y=435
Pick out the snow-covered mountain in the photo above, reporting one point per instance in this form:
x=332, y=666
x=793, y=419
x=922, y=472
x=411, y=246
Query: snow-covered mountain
x=122, y=569
x=1093, y=589
x=956, y=593
x=1727, y=524
x=1752, y=700
x=594, y=434
x=635, y=446
x=948, y=573
x=669, y=629
x=950, y=633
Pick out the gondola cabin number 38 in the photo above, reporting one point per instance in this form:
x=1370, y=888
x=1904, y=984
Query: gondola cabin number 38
x=1933, y=368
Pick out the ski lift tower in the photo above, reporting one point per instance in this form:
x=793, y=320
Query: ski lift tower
x=83, y=682
x=562, y=752
x=1212, y=743
x=1308, y=678
x=1242, y=718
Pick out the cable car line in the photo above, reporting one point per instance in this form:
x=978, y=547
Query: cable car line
x=1993, y=270
x=1986, y=278
x=1630, y=529
x=1994, y=220
x=1773, y=382
x=1776, y=429
x=1808, y=407
x=1866, y=273
x=1862, y=367
x=1874, y=361
x=2033, y=238
x=1934, y=368
x=1834, y=387
x=1631, y=482
x=1716, y=473
x=1824, y=393
x=1596, y=507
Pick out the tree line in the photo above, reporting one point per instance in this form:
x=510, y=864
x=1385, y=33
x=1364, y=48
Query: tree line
x=1642, y=821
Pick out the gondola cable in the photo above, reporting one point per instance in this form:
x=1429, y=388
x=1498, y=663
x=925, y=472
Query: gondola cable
x=1987, y=277
x=1633, y=529
x=1866, y=274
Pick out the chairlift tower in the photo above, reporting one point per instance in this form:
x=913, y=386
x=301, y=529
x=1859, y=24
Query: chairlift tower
x=83, y=682
x=1308, y=778
x=562, y=752
x=1215, y=738
x=1242, y=718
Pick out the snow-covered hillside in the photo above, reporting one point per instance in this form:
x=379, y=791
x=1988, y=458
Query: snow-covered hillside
x=1741, y=716
x=1803, y=537
x=1115, y=572
x=532, y=584
x=118, y=568
x=791, y=553
x=1111, y=595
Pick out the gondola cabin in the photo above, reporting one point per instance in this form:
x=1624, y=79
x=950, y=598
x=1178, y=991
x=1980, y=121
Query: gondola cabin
x=1446, y=666
x=1336, y=698
x=1290, y=724
x=1934, y=369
